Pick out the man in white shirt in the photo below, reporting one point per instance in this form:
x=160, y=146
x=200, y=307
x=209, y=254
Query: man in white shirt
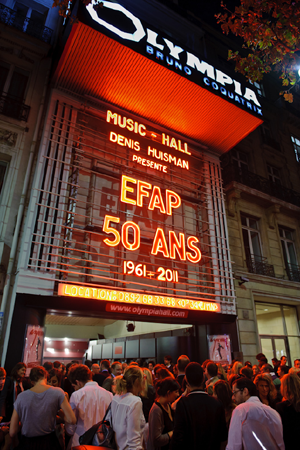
x=89, y=402
x=253, y=426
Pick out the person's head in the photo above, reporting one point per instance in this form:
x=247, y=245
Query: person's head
x=79, y=375
x=95, y=369
x=116, y=368
x=275, y=362
x=130, y=381
x=167, y=360
x=124, y=366
x=247, y=372
x=194, y=375
x=148, y=376
x=265, y=387
x=175, y=370
x=236, y=368
x=151, y=365
x=88, y=363
x=57, y=365
x=204, y=364
x=255, y=370
x=105, y=364
x=266, y=368
x=290, y=389
x=2, y=378
x=242, y=390
x=222, y=391
x=297, y=363
x=38, y=373
x=48, y=365
x=182, y=363
x=282, y=370
x=55, y=377
x=232, y=378
x=157, y=367
x=283, y=361
x=248, y=364
x=163, y=373
x=18, y=372
x=260, y=356
x=212, y=370
x=167, y=388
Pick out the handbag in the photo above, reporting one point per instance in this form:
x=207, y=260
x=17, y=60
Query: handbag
x=104, y=433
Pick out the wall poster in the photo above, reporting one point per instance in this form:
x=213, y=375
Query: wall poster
x=219, y=348
x=33, y=347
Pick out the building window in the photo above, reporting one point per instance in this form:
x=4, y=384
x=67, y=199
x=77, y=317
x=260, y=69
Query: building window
x=289, y=254
x=13, y=87
x=3, y=167
x=240, y=159
x=278, y=331
x=296, y=144
x=274, y=175
x=259, y=88
x=252, y=245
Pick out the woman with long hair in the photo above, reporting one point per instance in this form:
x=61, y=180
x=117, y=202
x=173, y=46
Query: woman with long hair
x=126, y=414
x=148, y=393
x=223, y=393
x=161, y=422
x=36, y=409
x=289, y=409
x=266, y=389
x=236, y=368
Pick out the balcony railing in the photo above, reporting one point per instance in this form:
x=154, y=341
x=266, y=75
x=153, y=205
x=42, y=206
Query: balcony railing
x=250, y=179
x=29, y=26
x=293, y=272
x=259, y=265
x=12, y=107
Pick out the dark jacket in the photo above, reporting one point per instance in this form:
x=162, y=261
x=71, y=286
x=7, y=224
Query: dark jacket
x=199, y=423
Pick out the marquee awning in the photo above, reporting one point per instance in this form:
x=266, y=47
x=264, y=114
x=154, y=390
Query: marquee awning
x=96, y=65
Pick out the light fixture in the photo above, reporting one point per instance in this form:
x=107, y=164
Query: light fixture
x=47, y=339
x=66, y=339
x=67, y=351
x=130, y=327
x=50, y=350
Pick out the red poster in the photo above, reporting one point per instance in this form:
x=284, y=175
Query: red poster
x=33, y=347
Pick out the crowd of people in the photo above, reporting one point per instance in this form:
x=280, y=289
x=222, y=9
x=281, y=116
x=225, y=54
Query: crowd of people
x=159, y=406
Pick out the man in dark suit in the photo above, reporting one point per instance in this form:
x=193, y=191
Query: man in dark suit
x=116, y=370
x=98, y=376
x=200, y=419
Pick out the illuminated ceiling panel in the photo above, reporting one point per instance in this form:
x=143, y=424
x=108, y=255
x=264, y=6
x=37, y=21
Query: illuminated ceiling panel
x=95, y=65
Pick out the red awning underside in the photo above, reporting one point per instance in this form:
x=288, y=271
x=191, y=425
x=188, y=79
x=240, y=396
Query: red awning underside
x=95, y=65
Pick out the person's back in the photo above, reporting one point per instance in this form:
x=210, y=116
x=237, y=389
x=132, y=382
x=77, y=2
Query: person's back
x=89, y=402
x=37, y=411
x=200, y=419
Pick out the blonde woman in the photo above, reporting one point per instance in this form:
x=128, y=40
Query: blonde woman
x=126, y=414
x=236, y=368
x=148, y=393
x=266, y=390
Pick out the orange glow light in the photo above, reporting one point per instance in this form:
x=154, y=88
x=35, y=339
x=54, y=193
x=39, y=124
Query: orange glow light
x=85, y=292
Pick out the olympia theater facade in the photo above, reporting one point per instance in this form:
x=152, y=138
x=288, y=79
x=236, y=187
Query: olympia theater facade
x=126, y=217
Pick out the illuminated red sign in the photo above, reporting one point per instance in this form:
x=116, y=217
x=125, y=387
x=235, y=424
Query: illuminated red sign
x=182, y=247
x=85, y=292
